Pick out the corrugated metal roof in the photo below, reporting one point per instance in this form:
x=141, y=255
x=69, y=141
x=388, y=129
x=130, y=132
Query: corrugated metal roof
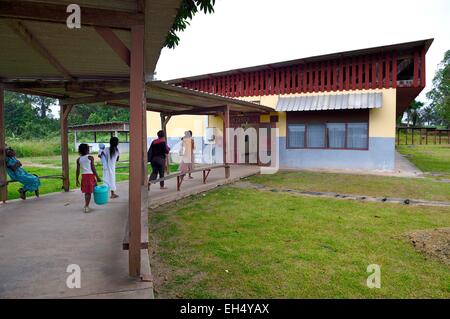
x=330, y=102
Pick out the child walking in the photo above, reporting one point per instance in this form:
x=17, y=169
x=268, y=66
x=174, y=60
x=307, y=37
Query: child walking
x=89, y=176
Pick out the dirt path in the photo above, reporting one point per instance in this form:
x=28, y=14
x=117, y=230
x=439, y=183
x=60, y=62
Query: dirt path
x=30, y=164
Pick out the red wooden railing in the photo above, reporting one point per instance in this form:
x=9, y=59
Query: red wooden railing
x=374, y=71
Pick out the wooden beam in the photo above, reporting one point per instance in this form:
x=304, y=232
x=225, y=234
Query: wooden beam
x=164, y=121
x=3, y=178
x=115, y=43
x=226, y=125
x=72, y=85
x=26, y=10
x=39, y=93
x=97, y=98
x=28, y=37
x=65, y=109
x=422, y=68
x=137, y=108
x=199, y=111
x=169, y=103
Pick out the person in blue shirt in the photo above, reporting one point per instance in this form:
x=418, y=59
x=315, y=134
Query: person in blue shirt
x=30, y=182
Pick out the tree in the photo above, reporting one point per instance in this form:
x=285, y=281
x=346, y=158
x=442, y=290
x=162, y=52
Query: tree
x=413, y=113
x=440, y=93
x=82, y=114
x=188, y=9
x=429, y=116
x=23, y=120
x=43, y=105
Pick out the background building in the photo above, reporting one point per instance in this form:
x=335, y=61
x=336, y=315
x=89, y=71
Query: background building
x=335, y=111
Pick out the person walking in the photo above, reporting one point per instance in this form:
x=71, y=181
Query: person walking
x=156, y=155
x=187, y=152
x=111, y=156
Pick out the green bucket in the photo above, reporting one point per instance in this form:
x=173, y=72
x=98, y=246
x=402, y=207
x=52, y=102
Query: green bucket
x=101, y=194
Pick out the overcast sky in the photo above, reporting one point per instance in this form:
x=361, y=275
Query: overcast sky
x=244, y=33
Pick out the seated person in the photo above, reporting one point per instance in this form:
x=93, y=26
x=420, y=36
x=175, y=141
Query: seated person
x=15, y=171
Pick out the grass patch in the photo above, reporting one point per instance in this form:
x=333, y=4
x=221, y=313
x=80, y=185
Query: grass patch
x=370, y=185
x=235, y=243
x=428, y=158
x=36, y=147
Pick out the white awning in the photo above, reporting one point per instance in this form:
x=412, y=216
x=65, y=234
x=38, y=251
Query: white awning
x=330, y=102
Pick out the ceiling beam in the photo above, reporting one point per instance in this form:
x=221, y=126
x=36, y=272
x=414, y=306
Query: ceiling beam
x=169, y=103
x=199, y=111
x=28, y=37
x=46, y=12
x=115, y=43
x=68, y=85
x=38, y=93
x=97, y=98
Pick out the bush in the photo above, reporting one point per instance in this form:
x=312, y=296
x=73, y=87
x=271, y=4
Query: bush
x=36, y=147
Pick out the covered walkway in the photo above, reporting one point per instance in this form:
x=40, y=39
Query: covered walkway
x=40, y=237
x=111, y=60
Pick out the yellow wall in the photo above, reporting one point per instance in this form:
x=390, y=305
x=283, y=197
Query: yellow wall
x=177, y=124
x=381, y=121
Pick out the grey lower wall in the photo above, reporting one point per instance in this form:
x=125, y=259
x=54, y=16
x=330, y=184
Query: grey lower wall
x=380, y=156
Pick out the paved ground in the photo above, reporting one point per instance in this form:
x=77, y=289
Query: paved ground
x=194, y=186
x=39, y=238
x=405, y=167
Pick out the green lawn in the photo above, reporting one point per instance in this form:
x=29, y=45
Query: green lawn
x=428, y=158
x=370, y=185
x=49, y=166
x=237, y=243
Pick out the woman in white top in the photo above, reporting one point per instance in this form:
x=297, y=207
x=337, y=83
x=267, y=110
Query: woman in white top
x=187, y=150
x=111, y=156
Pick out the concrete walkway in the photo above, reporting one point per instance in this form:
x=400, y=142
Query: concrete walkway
x=189, y=187
x=39, y=238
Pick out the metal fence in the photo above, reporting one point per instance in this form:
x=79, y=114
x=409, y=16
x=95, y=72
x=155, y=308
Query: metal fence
x=422, y=135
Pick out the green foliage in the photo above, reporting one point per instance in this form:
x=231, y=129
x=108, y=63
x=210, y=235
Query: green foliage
x=36, y=147
x=82, y=114
x=440, y=94
x=23, y=118
x=188, y=9
x=413, y=114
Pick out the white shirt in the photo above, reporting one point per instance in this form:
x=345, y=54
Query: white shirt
x=85, y=164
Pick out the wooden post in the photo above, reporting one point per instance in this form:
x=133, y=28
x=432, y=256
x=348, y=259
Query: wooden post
x=144, y=179
x=65, y=110
x=3, y=179
x=226, y=136
x=398, y=136
x=75, y=140
x=164, y=120
x=137, y=105
x=426, y=136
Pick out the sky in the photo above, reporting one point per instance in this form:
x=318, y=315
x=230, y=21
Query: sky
x=242, y=33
